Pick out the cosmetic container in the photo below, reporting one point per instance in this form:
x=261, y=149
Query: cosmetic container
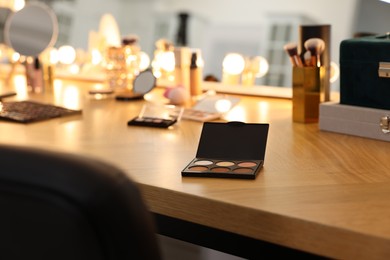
x=308, y=85
x=196, y=74
x=182, y=67
x=322, y=31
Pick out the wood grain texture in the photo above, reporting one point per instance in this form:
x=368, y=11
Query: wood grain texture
x=320, y=192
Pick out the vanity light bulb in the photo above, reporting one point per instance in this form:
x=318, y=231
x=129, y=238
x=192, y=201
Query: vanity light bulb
x=233, y=63
x=167, y=61
x=53, y=56
x=18, y=5
x=15, y=57
x=260, y=65
x=67, y=54
x=145, y=61
x=96, y=57
x=334, y=72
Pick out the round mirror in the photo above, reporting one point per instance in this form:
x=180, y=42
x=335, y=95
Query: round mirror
x=144, y=82
x=32, y=29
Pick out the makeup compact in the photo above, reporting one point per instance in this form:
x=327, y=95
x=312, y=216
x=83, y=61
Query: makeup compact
x=229, y=150
x=142, y=84
x=210, y=107
x=157, y=115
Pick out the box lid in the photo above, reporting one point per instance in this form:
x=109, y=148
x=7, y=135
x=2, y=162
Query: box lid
x=233, y=140
x=365, y=49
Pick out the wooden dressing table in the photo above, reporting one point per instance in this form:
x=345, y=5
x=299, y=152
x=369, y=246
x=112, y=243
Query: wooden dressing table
x=319, y=193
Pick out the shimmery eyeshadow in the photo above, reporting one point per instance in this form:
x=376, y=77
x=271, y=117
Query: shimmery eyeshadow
x=247, y=164
x=225, y=163
x=243, y=170
x=220, y=169
x=198, y=168
x=203, y=162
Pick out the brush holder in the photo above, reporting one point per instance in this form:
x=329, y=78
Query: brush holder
x=322, y=31
x=308, y=92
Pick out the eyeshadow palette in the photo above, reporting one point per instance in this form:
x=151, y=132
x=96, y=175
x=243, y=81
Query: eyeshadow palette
x=229, y=150
x=155, y=115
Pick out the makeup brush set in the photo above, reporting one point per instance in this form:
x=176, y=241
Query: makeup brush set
x=310, y=71
x=314, y=47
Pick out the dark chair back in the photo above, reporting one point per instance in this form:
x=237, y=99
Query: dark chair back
x=62, y=206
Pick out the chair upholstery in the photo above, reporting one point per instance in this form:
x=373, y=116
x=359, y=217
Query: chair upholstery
x=62, y=206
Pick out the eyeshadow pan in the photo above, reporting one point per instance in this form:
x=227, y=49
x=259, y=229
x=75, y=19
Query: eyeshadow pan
x=247, y=164
x=220, y=169
x=225, y=163
x=243, y=170
x=203, y=162
x=198, y=168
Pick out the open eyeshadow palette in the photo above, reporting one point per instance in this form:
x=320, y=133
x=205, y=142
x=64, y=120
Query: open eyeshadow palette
x=229, y=150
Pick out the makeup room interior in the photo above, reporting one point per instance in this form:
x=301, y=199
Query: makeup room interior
x=215, y=28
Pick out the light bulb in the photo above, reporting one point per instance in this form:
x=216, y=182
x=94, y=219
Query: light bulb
x=167, y=61
x=233, y=63
x=145, y=61
x=67, y=54
x=260, y=66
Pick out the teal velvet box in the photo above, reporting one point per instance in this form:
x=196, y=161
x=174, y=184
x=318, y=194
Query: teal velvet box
x=365, y=72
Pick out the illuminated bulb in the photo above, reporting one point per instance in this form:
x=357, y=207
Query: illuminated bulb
x=66, y=54
x=145, y=61
x=223, y=105
x=255, y=67
x=18, y=4
x=334, y=72
x=167, y=61
x=96, y=57
x=260, y=65
x=53, y=56
x=15, y=57
x=233, y=65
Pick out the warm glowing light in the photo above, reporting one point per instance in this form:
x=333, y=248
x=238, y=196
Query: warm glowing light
x=15, y=57
x=53, y=56
x=50, y=56
x=96, y=57
x=74, y=68
x=223, y=105
x=18, y=4
x=145, y=61
x=109, y=30
x=233, y=63
x=334, y=72
x=66, y=54
x=71, y=97
x=260, y=66
x=166, y=61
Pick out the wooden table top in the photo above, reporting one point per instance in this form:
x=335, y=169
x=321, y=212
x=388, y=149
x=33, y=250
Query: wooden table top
x=320, y=192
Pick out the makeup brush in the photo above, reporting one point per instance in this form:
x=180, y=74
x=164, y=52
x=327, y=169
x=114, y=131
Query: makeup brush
x=315, y=46
x=292, y=51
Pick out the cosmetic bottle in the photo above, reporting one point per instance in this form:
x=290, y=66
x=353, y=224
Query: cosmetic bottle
x=37, y=79
x=182, y=68
x=196, y=70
